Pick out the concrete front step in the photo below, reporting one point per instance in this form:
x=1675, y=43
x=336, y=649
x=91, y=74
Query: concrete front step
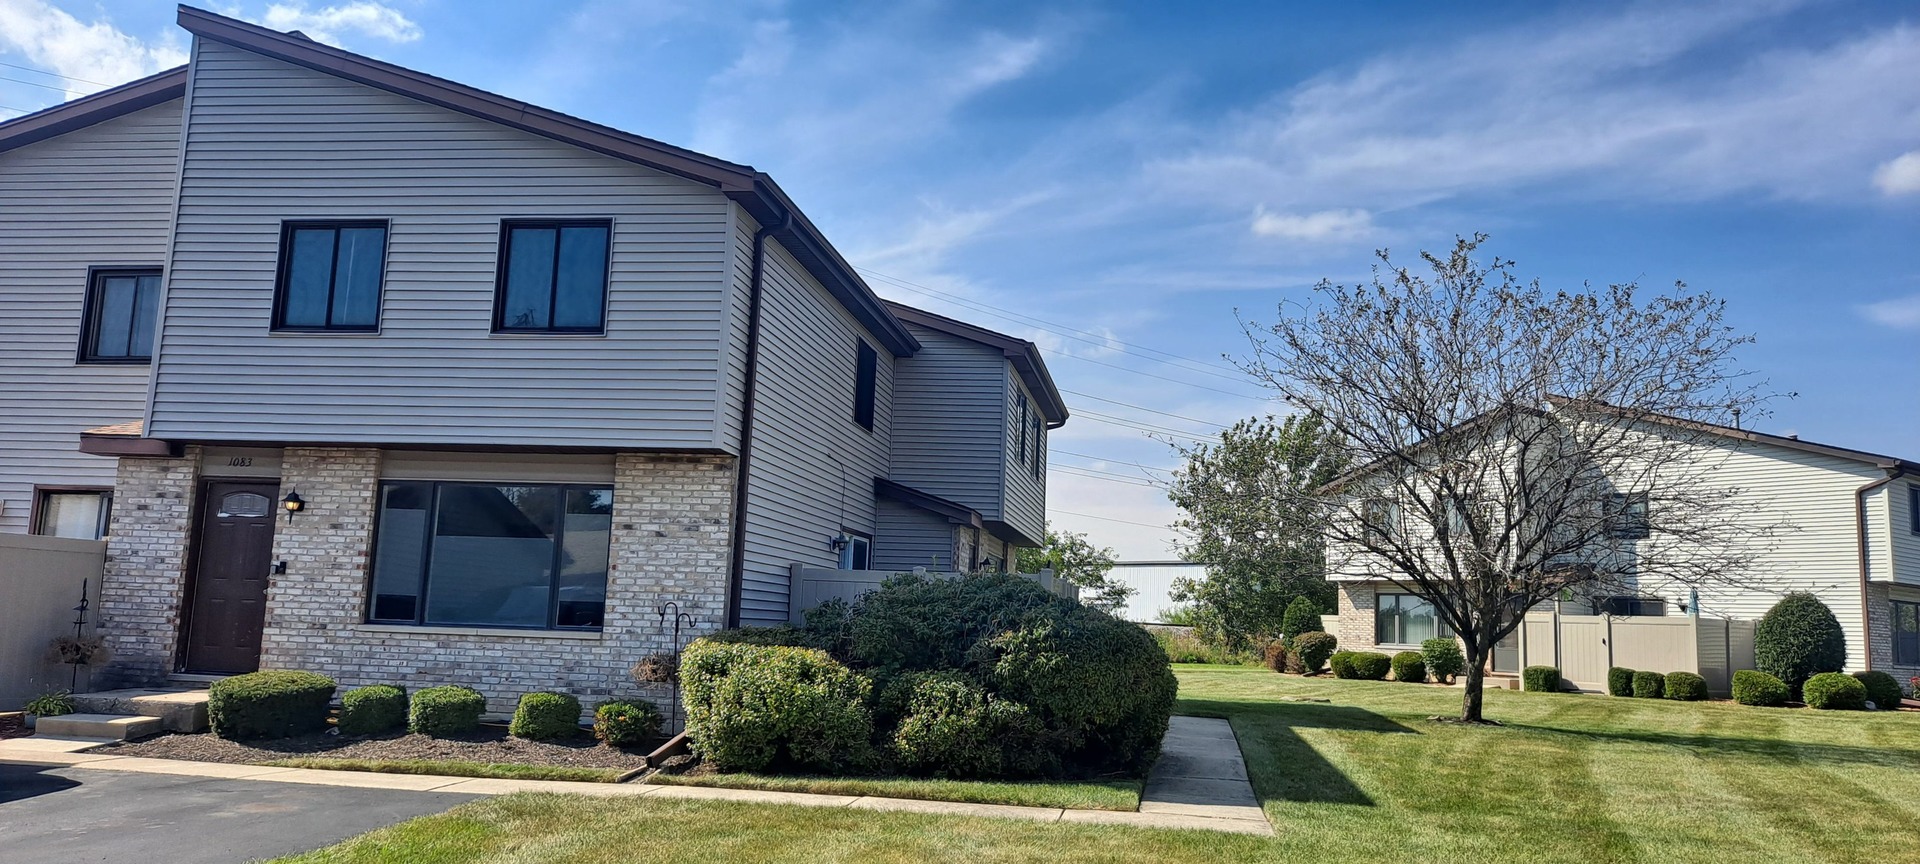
x=177, y=710
x=115, y=727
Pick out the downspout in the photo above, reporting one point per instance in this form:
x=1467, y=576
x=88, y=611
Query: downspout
x=1860, y=534
x=737, y=577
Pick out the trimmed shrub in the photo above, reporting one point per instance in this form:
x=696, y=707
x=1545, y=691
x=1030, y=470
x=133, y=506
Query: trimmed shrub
x=751, y=707
x=1276, y=656
x=1649, y=685
x=1540, y=679
x=1882, y=690
x=1370, y=665
x=783, y=635
x=1619, y=681
x=1797, y=639
x=1342, y=664
x=1835, y=691
x=449, y=710
x=626, y=722
x=953, y=728
x=373, y=709
x=1685, y=687
x=276, y=703
x=1443, y=659
x=545, y=717
x=1314, y=649
x=1752, y=687
x=1409, y=667
x=1302, y=616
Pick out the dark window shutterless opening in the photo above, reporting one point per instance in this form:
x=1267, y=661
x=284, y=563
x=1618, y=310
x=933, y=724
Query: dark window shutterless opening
x=552, y=276
x=867, y=366
x=118, y=321
x=1906, y=633
x=330, y=276
x=1020, y=427
x=1913, y=509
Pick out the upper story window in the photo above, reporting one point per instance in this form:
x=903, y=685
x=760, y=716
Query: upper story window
x=866, y=368
x=1913, y=509
x=553, y=276
x=1380, y=520
x=120, y=310
x=1039, y=455
x=81, y=514
x=1627, y=516
x=1020, y=427
x=330, y=275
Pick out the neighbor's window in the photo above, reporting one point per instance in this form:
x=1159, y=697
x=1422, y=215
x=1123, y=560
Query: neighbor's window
x=866, y=368
x=121, y=307
x=1020, y=427
x=1379, y=519
x=1039, y=454
x=484, y=555
x=1906, y=633
x=553, y=277
x=1627, y=516
x=1621, y=607
x=79, y=514
x=1913, y=509
x=856, y=553
x=330, y=275
x=1405, y=619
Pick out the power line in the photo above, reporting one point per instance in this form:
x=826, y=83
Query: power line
x=1139, y=426
x=1111, y=519
x=1144, y=408
x=34, y=83
x=54, y=74
x=1111, y=461
x=1109, y=476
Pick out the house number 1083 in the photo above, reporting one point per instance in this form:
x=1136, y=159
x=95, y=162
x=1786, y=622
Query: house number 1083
x=240, y=462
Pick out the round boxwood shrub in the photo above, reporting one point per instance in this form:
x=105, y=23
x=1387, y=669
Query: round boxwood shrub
x=276, y=703
x=1619, y=681
x=373, y=709
x=626, y=722
x=953, y=728
x=545, y=717
x=1314, y=649
x=1370, y=665
x=1753, y=687
x=1341, y=662
x=1797, y=639
x=1685, y=687
x=1540, y=679
x=1302, y=616
x=1443, y=659
x=1882, y=690
x=1409, y=667
x=1835, y=691
x=1649, y=685
x=754, y=707
x=449, y=710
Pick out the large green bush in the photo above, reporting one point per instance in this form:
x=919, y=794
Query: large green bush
x=1314, y=649
x=1619, y=681
x=1882, y=690
x=373, y=709
x=1540, y=679
x=449, y=710
x=1835, y=691
x=626, y=722
x=1302, y=616
x=276, y=703
x=545, y=717
x=1443, y=659
x=1685, y=687
x=1370, y=665
x=754, y=707
x=1752, y=687
x=953, y=728
x=1797, y=639
x=1409, y=667
x=1649, y=685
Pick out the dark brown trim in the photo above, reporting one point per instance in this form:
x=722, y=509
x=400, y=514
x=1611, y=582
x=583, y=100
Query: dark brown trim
x=749, y=397
x=1024, y=355
x=284, y=271
x=1866, y=569
x=96, y=108
x=90, y=312
x=190, y=564
x=127, y=445
x=1009, y=534
x=33, y=514
x=1792, y=443
x=958, y=514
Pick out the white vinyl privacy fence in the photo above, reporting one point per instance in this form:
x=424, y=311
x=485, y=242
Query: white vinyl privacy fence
x=812, y=587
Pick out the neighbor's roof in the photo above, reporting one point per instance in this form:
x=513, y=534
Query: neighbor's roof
x=94, y=108
x=1024, y=355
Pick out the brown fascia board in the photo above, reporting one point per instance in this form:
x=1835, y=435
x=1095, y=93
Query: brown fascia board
x=127, y=445
x=1891, y=463
x=1024, y=355
x=94, y=108
x=752, y=189
x=959, y=514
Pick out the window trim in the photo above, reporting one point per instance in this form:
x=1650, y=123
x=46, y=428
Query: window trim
x=34, y=517
x=1021, y=424
x=1441, y=630
x=503, y=262
x=1913, y=508
x=426, y=559
x=866, y=383
x=1894, y=633
x=845, y=559
x=90, y=310
x=285, y=270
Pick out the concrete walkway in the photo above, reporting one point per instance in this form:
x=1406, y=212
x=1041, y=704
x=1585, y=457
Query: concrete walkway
x=1201, y=776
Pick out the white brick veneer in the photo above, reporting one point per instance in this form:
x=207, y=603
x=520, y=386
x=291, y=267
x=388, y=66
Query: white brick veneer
x=147, y=542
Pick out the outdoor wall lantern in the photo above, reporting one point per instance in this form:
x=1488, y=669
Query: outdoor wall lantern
x=294, y=503
x=838, y=544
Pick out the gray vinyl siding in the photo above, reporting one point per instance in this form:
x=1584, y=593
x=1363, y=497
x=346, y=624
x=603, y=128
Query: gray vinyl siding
x=1026, y=497
x=1904, y=555
x=949, y=421
x=269, y=141
x=102, y=195
x=909, y=537
x=813, y=467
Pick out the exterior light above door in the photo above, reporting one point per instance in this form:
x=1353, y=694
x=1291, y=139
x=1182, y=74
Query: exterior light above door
x=294, y=503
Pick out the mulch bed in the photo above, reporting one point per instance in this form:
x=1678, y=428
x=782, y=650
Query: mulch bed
x=490, y=744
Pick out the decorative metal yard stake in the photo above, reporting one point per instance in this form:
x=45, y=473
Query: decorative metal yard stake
x=79, y=626
x=673, y=708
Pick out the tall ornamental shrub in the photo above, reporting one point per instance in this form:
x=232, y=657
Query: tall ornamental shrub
x=1302, y=616
x=1797, y=639
x=1443, y=659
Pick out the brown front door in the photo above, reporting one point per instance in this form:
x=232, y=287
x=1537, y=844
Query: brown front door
x=229, y=591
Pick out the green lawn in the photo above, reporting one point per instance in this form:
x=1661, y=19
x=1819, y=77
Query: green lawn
x=1365, y=777
x=454, y=768
x=1101, y=795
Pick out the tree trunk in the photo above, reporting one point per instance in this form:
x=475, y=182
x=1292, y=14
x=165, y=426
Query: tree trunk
x=1470, y=700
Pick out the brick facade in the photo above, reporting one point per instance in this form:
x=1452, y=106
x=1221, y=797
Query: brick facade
x=147, y=548
x=1880, y=597
x=1356, y=616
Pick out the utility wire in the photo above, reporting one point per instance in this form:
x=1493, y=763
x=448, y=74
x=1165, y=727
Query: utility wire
x=1108, y=476
x=1139, y=426
x=1111, y=461
x=1111, y=519
x=54, y=74
x=1144, y=408
x=34, y=83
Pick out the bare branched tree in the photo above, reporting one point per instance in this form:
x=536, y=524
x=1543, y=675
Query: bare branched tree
x=1518, y=446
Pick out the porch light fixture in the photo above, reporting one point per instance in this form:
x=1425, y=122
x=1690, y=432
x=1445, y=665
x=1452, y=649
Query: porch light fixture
x=838, y=544
x=294, y=503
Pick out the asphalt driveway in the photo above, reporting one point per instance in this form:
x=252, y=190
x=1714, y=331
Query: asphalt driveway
x=52, y=813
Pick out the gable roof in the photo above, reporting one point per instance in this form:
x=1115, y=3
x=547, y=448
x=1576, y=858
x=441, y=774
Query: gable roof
x=93, y=108
x=753, y=190
x=1024, y=355
x=959, y=514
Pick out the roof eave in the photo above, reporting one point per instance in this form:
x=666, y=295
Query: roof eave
x=1024, y=355
x=93, y=108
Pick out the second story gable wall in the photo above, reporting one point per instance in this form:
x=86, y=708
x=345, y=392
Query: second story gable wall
x=949, y=421
x=1026, y=479
x=1901, y=559
x=270, y=141
x=97, y=196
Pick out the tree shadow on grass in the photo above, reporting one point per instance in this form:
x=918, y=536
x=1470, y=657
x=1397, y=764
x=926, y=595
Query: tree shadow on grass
x=1757, y=747
x=1284, y=766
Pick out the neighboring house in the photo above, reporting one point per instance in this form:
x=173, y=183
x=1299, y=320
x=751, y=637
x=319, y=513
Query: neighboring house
x=1851, y=537
x=525, y=378
x=1152, y=584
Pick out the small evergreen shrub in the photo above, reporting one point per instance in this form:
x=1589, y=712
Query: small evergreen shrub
x=1342, y=664
x=373, y=709
x=276, y=703
x=1314, y=649
x=1370, y=665
x=545, y=717
x=1443, y=659
x=1753, y=687
x=626, y=722
x=1619, y=681
x=1882, y=690
x=1797, y=639
x=1685, y=687
x=1409, y=667
x=1302, y=616
x=1835, y=691
x=751, y=707
x=449, y=710
x=1649, y=685
x=1540, y=679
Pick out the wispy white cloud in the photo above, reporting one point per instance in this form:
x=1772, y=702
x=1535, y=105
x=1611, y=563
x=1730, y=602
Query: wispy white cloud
x=332, y=24
x=1900, y=312
x=95, y=51
x=1324, y=225
x=1899, y=175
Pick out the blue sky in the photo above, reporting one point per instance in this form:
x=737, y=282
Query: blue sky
x=1120, y=179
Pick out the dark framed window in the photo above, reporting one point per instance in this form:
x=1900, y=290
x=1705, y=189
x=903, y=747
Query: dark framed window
x=491, y=555
x=330, y=276
x=553, y=276
x=1913, y=509
x=1627, y=516
x=1406, y=619
x=1039, y=453
x=1020, y=427
x=118, y=320
x=1906, y=633
x=866, y=368
x=856, y=551
x=1623, y=607
x=76, y=512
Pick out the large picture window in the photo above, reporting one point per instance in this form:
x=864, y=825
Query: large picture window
x=1906, y=633
x=484, y=555
x=330, y=275
x=553, y=277
x=120, y=311
x=1406, y=619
